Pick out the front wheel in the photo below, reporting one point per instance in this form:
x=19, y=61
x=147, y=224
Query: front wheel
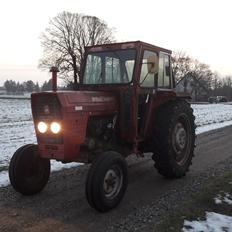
x=28, y=172
x=107, y=181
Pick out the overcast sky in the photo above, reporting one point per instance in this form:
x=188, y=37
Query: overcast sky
x=202, y=28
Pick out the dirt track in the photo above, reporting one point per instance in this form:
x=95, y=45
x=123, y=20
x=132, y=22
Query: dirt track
x=62, y=205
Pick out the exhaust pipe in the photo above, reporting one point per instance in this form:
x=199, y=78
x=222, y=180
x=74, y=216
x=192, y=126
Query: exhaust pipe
x=54, y=70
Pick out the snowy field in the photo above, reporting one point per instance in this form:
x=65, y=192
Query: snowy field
x=16, y=128
x=212, y=116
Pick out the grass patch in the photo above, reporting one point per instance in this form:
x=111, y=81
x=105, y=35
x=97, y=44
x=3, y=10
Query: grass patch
x=200, y=202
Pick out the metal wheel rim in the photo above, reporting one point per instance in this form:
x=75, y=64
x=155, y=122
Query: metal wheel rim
x=181, y=139
x=112, y=183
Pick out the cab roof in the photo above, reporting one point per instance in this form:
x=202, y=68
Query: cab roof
x=126, y=45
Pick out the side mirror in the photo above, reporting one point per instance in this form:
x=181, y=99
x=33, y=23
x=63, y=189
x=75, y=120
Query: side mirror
x=152, y=64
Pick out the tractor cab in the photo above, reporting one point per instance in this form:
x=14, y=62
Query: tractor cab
x=137, y=73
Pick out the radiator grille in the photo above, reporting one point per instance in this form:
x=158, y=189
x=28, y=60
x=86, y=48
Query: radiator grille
x=46, y=107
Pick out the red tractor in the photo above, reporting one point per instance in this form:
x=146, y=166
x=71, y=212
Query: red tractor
x=125, y=104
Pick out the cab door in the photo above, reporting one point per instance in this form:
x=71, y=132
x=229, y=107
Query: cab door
x=148, y=83
x=165, y=81
x=155, y=81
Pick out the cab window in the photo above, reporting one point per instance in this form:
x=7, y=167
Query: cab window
x=164, y=77
x=149, y=69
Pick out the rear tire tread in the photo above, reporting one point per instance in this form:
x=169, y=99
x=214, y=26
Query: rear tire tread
x=163, y=153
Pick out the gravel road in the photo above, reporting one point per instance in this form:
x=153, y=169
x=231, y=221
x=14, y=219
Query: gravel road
x=62, y=205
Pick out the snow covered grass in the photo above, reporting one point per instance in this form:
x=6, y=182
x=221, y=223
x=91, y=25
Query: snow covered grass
x=23, y=96
x=223, y=198
x=199, y=212
x=4, y=180
x=214, y=222
x=212, y=116
x=16, y=128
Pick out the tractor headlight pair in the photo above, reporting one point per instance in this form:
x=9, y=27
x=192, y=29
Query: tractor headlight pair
x=55, y=127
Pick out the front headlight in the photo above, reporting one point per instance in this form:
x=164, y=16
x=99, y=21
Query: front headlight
x=55, y=127
x=42, y=127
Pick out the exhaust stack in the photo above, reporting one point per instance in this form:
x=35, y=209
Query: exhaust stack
x=54, y=70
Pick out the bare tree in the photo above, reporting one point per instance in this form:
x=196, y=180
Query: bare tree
x=203, y=74
x=64, y=41
x=223, y=87
x=181, y=64
x=193, y=74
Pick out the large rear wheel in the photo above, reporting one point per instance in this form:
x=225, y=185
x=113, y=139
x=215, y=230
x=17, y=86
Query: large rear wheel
x=107, y=181
x=28, y=172
x=174, y=139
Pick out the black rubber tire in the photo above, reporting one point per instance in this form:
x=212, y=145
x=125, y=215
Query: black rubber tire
x=28, y=172
x=95, y=193
x=165, y=152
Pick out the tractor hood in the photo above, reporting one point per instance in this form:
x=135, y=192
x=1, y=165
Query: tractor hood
x=91, y=102
x=86, y=102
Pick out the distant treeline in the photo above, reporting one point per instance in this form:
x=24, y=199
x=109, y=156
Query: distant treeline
x=201, y=83
x=14, y=87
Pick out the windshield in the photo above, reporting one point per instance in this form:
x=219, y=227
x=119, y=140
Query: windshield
x=110, y=67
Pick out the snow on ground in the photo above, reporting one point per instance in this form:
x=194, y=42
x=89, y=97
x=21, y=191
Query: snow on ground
x=223, y=198
x=22, y=96
x=4, y=179
x=16, y=128
x=212, y=116
x=214, y=223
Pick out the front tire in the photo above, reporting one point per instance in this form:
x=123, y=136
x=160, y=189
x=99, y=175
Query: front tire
x=107, y=181
x=174, y=139
x=28, y=172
